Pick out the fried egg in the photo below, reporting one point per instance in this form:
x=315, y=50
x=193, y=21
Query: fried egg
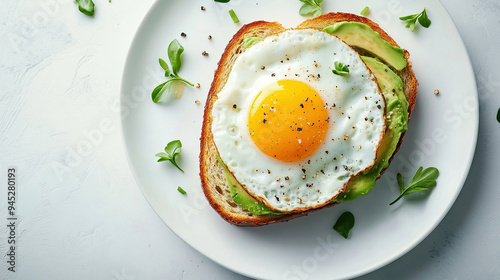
x=290, y=131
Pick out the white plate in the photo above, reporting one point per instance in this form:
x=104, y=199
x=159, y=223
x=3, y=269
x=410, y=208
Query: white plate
x=442, y=133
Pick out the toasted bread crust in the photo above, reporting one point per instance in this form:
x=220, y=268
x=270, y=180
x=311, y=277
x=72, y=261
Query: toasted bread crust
x=211, y=173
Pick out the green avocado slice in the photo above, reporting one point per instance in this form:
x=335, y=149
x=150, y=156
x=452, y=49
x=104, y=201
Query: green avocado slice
x=396, y=111
x=360, y=35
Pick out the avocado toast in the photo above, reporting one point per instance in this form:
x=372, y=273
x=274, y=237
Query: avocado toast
x=397, y=82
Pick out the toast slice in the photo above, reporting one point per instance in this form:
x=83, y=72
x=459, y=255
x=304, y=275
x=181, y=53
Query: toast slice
x=211, y=172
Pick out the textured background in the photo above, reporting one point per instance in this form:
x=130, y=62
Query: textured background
x=72, y=173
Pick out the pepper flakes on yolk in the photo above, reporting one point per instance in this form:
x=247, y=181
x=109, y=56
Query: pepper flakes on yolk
x=288, y=120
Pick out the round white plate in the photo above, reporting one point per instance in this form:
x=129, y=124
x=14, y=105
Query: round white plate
x=442, y=133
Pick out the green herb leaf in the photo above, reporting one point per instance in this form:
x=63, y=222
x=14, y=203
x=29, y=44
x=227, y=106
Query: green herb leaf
x=340, y=69
x=307, y=9
x=424, y=20
x=344, y=224
x=405, y=18
x=174, y=55
x=498, y=115
x=410, y=25
x=165, y=88
x=164, y=65
x=401, y=182
x=423, y=180
x=365, y=11
x=155, y=95
x=163, y=156
x=412, y=19
x=172, y=149
x=310, y=7
x=233, y=16
x=86, y=7
x=158, y=93
x=247, y=42
x=181, y=190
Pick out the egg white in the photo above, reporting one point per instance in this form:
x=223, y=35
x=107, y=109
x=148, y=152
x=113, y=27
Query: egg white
x=355, y=106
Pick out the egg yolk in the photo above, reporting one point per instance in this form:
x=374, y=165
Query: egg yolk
x=288, y=120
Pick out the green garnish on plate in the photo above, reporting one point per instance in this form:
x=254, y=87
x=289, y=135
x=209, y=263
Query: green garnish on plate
x=412, y=19
x=423, y=180
x=172, y=150
x=344, y=224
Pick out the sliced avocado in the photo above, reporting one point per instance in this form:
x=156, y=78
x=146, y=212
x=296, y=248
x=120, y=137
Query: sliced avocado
x=396, y=111
x=391, y=86
x=241, y=197
x=360, y=35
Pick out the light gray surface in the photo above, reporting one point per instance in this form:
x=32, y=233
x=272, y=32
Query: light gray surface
x=81, y=214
